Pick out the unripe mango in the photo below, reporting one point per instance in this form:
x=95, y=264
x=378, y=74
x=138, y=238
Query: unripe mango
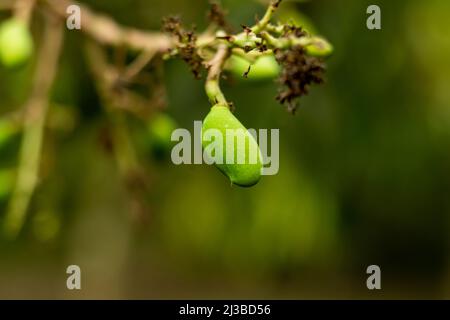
x=264, y=68
x=319, y=48
x=244, y=173
x=16, y=43
x=160, y=130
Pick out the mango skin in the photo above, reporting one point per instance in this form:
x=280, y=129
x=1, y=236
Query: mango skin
x=16, y=43
x=319, y=48
x=264, y=68
x=244, y=175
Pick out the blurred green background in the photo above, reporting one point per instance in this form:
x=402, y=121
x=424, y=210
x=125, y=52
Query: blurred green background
x=364, y=174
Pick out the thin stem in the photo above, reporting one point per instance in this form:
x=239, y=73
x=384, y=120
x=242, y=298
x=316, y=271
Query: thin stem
x=126, y=158
x=137, y=65
x=214, y=93
x=212, y=85
x=261, y=25
x=285, y=43
x=276, y=29
x=274, y=42
x=251, y=56
x=35, y=115
x=6, y=4
x=23, y=10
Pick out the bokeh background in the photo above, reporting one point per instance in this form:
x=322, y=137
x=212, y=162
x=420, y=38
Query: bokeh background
x=364, y=174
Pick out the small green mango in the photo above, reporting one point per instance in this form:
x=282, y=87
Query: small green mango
x=16, y=43
x=264, y=68
x=247, y=173
x=160, y=130
x=319, y=48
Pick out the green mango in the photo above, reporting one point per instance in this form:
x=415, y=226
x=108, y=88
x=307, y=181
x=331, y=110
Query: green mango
x=244, y=173
x=16, y=43
x=319, y=48
x=264, y=68
x=160, y=130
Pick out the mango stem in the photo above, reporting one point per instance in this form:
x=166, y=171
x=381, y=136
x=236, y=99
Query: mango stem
x=215, y=67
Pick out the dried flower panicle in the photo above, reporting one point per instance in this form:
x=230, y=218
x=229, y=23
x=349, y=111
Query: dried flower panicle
x=292, y=30
x=217, y=15
x=173, y=26
x=300, y=71
x=186, y=47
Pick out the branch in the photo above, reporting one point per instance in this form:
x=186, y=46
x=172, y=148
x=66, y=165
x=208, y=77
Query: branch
x=106, y=31
x=6, y=4
x=107, y=77
x=23, y=9
x=137, y=65
x=126, y=158
x=35, y=113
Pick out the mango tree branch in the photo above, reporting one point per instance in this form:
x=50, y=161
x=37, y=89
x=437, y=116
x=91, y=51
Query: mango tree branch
x=137, y=65
x=23, y=10
x=126, y=158
x=35, y=114
x=6, y=4
x=106, y=31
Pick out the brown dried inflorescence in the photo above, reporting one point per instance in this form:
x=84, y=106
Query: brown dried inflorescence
x=218, y=15
x=291, y=30
x=186, y=47
x=299, y=73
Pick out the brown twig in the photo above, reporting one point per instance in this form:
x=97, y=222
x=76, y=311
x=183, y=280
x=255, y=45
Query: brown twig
x=137, y=65
x=106, y=31
x=107, y=77
x=130, y=169
x=23, y=9
x=6, y=4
